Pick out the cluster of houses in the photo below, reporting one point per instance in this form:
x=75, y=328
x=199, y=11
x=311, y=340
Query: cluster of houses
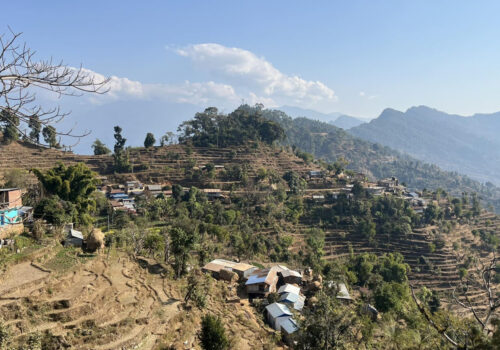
x=288, y=284
x=389, y=185
x=123, y=196
x=13, y=214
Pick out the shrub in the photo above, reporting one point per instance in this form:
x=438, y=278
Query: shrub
x=213, y=335
x=390, y=296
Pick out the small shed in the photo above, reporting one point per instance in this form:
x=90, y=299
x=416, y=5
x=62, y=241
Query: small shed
x=74, y=238
x=288, y=326
x=315, y=174
x=370, y=311
x=342, y=292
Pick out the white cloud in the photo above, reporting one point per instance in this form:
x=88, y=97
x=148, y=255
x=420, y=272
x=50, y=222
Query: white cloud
x=362, y=93
x=188, y=92
x=237, y=76
x=255, y=74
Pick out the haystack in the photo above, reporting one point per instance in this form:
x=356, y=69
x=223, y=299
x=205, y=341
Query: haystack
x=95, y=240
x=228, y=275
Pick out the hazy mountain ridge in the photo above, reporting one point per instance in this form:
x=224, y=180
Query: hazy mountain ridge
x=466, y=144
x=330, y=143
x=340, y=120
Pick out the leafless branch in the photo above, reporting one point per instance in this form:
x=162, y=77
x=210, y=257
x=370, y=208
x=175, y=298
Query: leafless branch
x=429, y=319
x=21, y=76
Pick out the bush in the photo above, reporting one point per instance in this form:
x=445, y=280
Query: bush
x=390, y=296
x=213, y=335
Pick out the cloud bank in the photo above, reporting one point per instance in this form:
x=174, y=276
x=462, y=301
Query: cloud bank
x=237, y=75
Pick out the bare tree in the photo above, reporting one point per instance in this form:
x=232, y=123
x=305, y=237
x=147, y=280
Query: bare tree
x=22, y=76
x=481, y=278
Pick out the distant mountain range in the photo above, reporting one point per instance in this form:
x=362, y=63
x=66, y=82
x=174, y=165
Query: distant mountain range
x=339, y=120
x=330, y=143
x=470, y=145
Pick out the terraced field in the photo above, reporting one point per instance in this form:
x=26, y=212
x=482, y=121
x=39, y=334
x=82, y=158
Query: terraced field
x=114, y=303
x=160, y=164
x=437, y=270
x=101, y=305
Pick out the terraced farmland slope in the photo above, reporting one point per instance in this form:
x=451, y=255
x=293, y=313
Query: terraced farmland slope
x=437, y=269
x=160, y=164
x=112, y=303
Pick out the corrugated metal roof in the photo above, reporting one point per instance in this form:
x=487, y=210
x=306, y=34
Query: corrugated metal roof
x=276, y=310
x=217, y=264
x=289, y=273
x=267, y=276
x=289, y=288
x=76, y=234
x=296, y=300
x=287, y=325
x=289, y=297
x=343, y=293
x=243, y=267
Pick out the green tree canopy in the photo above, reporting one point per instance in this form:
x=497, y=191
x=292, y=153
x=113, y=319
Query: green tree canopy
x=100, y=148
x=150, y=140
x=210, y=128
x=213, y=335
x=74, y=184
x=50, y=136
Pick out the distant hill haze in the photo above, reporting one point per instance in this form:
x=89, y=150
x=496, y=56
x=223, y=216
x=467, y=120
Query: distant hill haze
x=346, y=122
x=339, y=120
x=470, y=145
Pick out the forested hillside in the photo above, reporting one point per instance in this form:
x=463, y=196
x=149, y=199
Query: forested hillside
x=468, y=145
x=330, y=143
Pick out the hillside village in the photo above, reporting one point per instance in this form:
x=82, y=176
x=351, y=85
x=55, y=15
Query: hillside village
x=254, y=227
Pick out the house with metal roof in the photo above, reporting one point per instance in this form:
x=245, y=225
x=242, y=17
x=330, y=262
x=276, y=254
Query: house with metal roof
x=342, y=291
x=291, y=276
x=287, y=326
x=296, y=301
x=214, y=267
x=74, y=238
x=276, y=311
x=289, y=288
x=262, y=282
x=315, y=173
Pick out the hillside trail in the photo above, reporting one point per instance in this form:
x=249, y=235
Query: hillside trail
x=100, y=305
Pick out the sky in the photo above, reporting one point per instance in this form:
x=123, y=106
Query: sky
x=172, y=58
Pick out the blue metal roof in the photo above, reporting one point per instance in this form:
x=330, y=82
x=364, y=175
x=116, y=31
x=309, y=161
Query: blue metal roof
x=288, y=325
x=296, y=300
x=118, y=195
x=277, y=310
x=289, y=297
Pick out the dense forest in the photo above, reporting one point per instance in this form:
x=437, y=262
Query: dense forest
x=330, y=143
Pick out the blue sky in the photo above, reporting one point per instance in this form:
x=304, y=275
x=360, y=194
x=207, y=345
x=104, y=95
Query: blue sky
x=354, y=57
